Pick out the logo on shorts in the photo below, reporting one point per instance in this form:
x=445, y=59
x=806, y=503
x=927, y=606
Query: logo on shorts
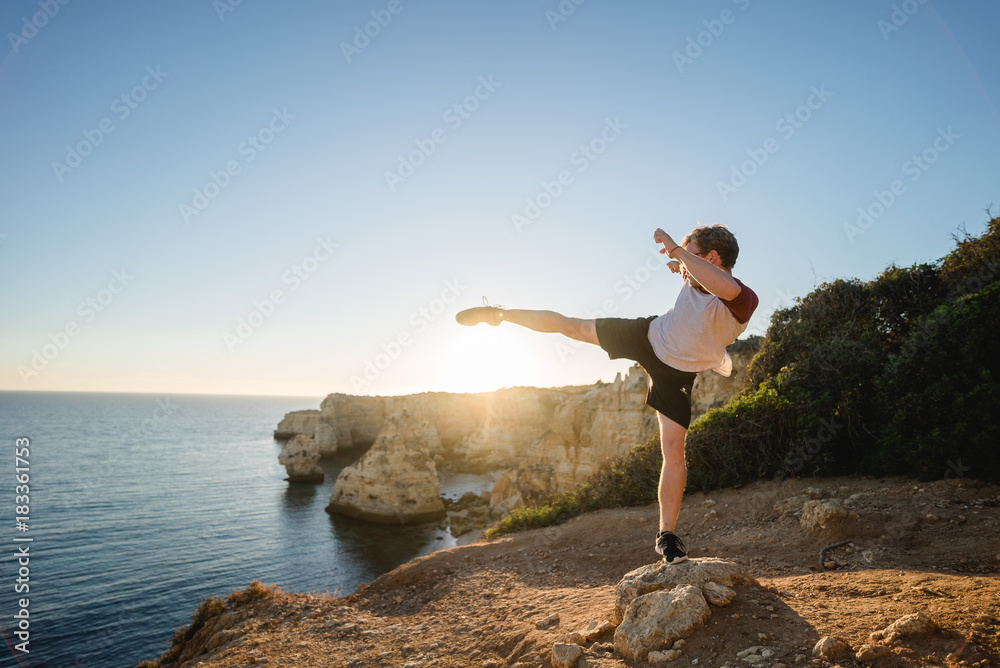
x=684, y=390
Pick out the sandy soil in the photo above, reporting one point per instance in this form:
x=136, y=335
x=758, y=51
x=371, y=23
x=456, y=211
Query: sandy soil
x=931, y=547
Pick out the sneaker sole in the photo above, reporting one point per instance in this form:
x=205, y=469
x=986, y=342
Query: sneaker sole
x=677, y=560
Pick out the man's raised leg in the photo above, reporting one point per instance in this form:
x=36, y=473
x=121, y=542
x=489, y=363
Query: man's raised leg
x=581, y=329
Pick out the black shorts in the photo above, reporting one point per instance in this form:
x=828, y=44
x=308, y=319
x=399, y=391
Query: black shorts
x=669, y=389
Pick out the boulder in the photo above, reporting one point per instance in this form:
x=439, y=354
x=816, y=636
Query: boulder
x=300, y=457
x=396, y=481
x=826, y=513
x=696, y=571
x=913, y=624
x=718, y=595
x=830, y=647
x=654, y=621
x=592, y=631
x=868, y=653
x=565, y=655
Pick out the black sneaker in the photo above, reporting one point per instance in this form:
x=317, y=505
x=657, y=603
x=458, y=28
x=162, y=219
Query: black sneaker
x=491, y=315
x=671, y=547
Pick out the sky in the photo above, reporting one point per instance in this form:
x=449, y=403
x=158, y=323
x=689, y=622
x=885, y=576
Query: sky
x=249, y=197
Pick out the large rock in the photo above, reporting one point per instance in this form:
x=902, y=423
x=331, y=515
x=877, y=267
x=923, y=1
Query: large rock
x=868, y=653
x=565, y=655
x=831, y=647
x=660, y=576
x=913, y=624
x=396, y=481
x=826, y=513
x=297, y=423
x=300, y=457
x=718, y=595
x=655, y=620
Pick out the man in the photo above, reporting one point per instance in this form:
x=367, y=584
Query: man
x=712, y=309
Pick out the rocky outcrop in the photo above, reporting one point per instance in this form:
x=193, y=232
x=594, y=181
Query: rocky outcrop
x=300, y=457
x=524, y=486
x=396, y=481
x=657, y=605
x=583, y=432
x=820, y=514
x=655, y=620
x=661, y=576
x=297, y=423
x=831, y=648
x=913, y=624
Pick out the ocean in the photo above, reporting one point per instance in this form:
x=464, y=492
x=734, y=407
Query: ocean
x=142, y=505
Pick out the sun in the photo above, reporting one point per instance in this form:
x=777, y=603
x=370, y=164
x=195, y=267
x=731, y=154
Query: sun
x=488, y=358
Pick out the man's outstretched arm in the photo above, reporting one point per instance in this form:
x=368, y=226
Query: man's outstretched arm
x=716, y=280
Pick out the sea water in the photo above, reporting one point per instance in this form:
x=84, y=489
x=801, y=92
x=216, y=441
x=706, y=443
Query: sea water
x=142, y=505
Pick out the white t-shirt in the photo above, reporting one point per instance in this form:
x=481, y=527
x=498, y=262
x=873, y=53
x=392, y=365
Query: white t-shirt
x=693, y=335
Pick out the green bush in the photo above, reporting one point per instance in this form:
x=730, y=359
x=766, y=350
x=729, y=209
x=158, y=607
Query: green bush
x=941, y=395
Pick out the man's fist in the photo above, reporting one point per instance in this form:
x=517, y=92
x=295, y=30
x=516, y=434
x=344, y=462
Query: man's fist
x=661, y=237
x=675, y=266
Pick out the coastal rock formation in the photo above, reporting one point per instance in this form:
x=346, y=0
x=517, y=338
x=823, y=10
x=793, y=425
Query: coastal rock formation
x=297, y=423
x=584, y=431
x=548, y=440
x=300, y=457
x=396, y=481
x=524, y=486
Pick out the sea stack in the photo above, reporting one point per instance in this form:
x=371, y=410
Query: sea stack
x=396, y=482
x=300, y=457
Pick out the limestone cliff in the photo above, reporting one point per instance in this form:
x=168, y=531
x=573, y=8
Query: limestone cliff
x=297, y=423
x=396, y=481
x=558, y=436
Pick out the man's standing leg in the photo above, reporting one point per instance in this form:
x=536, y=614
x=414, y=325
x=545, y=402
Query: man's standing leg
x=673, y=478
x=673, y=474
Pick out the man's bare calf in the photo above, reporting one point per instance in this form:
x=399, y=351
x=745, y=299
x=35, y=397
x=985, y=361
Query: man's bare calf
x=550, y=322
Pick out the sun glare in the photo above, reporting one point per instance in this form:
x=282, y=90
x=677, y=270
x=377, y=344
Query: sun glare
x=490, y=358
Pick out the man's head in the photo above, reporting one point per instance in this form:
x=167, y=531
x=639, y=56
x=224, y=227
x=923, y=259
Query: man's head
x=715, y=243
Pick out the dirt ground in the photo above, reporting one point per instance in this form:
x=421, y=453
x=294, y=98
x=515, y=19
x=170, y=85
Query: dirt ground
x=930, y=547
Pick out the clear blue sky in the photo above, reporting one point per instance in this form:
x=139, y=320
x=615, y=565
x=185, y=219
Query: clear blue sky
x=118, y=276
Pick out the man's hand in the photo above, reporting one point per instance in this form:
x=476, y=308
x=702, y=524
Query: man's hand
x=674, y=265
x=661, y=237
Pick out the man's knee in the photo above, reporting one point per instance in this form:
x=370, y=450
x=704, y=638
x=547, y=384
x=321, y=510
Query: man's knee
x=672, y=437
x=672, y=448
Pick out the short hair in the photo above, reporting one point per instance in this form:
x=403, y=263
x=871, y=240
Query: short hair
x=715, y=237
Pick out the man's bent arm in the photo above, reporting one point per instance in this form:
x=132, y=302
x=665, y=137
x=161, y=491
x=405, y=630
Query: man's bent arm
x=717, y=281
